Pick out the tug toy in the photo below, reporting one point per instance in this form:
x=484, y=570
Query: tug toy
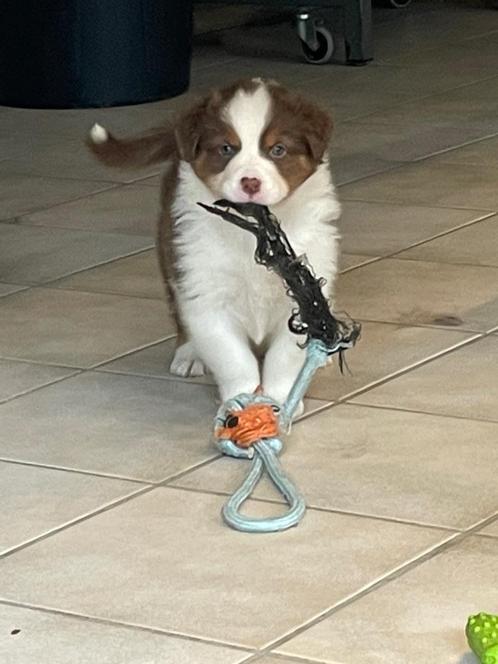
x=482, y=635
x=248, y=425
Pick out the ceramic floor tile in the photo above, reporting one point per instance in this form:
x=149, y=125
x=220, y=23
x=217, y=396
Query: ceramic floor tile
x=382, y=350
x=20, y=194
x=19, y=377
x=469, y=106
x=477, y=55
x=137, y=275
x=387, y=145
x=132, y=209
x=78, y=329
x=47, y=638
x=419, y=617
x=348, y=168
x=36, y=500
x=431, y=182
x=462, y=383
x=479, y=153
x=364, y=460
x=476, y=245
x=277, y=660
x=35, y=255
x=397, y=81
x=377, y=229
x=296, y=575
x=288, y=73
x=26, y=133
x=55, y=156
x=347, y=261
x=154, y=181
x=421, y=293
x=155, y=362
x=491, y=530
x=7, y=289
x=118, y=425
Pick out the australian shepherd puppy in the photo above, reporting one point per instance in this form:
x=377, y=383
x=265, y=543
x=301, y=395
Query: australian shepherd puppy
x=252, y=141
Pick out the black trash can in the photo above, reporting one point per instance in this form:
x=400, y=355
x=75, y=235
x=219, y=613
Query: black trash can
x=93, y=53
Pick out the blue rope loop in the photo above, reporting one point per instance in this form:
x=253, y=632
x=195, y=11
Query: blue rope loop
x=264, y=455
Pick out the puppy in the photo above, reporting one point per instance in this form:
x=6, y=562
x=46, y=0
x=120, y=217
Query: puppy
x=252, y=141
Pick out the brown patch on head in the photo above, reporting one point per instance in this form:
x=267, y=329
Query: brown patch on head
x=302, y=129
x=202, y=133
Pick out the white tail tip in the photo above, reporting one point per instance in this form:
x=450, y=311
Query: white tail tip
x=98, y=134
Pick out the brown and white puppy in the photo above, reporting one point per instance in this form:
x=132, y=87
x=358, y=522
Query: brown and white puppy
x=252, y=141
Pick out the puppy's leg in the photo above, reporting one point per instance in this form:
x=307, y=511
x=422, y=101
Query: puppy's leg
x=282, y=363
x=186, y=361
x=224, y=348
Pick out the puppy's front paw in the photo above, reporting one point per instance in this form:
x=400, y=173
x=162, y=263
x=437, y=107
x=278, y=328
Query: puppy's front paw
x=186, y=363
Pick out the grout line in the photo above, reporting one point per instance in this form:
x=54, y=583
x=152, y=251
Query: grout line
x=186, y=471
x=88, y=194
x=171, y=378
x=45, y=363
x=79, y=289
x=80, y=519
x=372, y=259
x=409, y=100
x=88, y=268
x=127, y=625
x=404, y=370
x=89, y=515
x=425, y=326
x=450, y=231
x=396, y=573
x=120, y=356
x=316, y=508
x=394, y=166
x=326, y=405
x=487, y=536
x=401, y=409
x=422, y=204
x=295, y=658
x=453, y=148
x=14, y=397
x=442, y=262
x=77, y=471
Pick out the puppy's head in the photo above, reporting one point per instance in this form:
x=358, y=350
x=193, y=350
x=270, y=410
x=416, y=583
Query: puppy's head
x=253, y=141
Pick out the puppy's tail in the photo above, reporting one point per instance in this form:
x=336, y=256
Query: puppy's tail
x=151, y=147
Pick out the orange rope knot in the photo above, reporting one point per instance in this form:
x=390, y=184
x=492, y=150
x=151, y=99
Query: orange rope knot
x=254, y=422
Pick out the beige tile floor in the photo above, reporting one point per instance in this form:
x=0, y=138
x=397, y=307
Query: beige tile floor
x=112, y=549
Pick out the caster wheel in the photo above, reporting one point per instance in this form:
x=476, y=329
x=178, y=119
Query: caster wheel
x=325, y=48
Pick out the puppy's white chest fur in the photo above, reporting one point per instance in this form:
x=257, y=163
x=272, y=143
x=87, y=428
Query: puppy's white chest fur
x=216, y=260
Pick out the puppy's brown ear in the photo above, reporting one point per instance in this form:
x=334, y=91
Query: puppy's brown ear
x=317, y=132
x=188, y=131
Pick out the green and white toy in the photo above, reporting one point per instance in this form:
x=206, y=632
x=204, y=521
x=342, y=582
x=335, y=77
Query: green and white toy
x=482, y=635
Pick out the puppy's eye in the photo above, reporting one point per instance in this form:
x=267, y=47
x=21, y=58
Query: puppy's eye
x=278, y=151
x=226, y=150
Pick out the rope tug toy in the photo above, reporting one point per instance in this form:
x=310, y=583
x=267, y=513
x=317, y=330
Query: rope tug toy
x=248, y=425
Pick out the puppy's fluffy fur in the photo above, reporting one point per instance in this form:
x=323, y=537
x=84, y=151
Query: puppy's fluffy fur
x=252, y=141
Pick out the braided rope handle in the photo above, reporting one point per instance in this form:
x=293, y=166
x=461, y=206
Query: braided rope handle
x=264, y=453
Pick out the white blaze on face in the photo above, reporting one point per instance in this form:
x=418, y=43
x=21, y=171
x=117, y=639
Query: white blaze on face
x=249, y=175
